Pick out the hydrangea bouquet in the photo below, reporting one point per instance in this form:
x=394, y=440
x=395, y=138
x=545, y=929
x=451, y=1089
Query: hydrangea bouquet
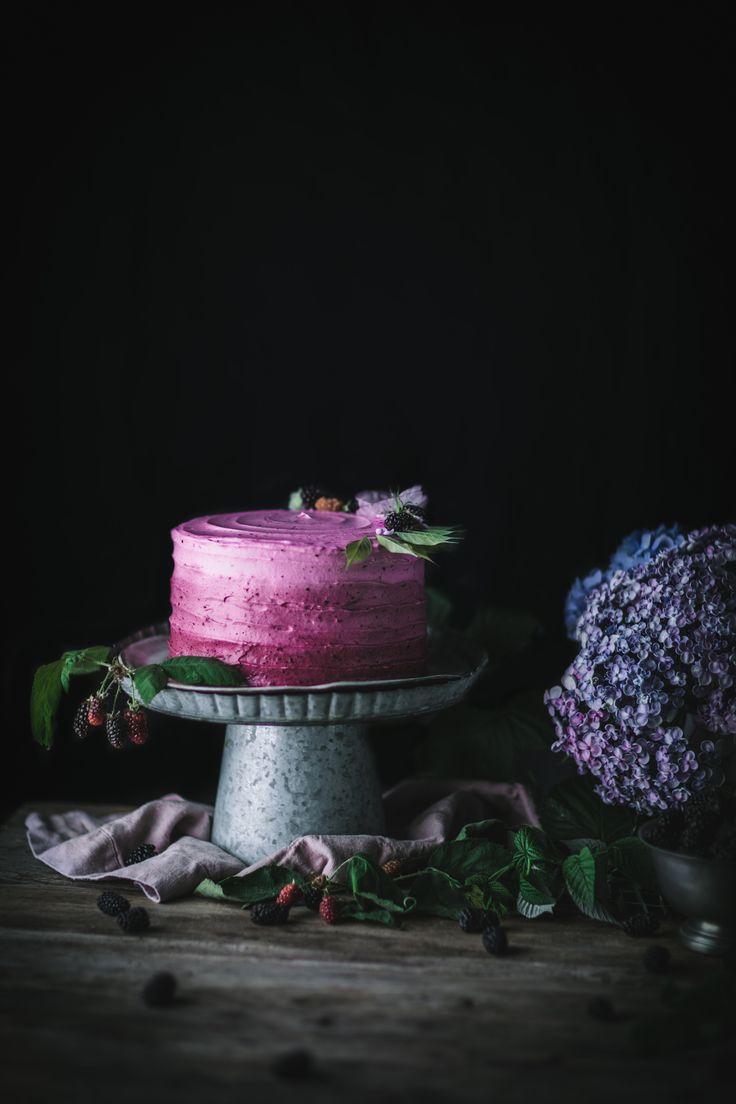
x=648, y=706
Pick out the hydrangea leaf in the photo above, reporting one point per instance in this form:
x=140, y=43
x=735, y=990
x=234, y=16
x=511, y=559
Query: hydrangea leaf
x=573, y=810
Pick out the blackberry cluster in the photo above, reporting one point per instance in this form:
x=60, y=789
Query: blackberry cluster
x=704, y=826
x=404, y=520
x=140, y=853
x=310, y=494
x=495, y=939
x=80, y=724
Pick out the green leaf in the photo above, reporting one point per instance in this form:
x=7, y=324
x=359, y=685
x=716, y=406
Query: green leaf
x=214, y=891
x=438, y=894
x=492, y=829
x=83, y=661
x=353, y=911
x=45, y=698
x=529, y=910
x=585, y=879
x=439, y=607
x=432, y=537
x=393, y=545
x=530, y=847
x=503, y=632
x=632, y=858
x=260, y=885
x=472, y=742
x=149, y=680
x=537, y=892
x=202, y=671
x=368, y=882
x=357, y=551
x=572, y=811
x=463, y=858
x=488, y=891
x=579, y=872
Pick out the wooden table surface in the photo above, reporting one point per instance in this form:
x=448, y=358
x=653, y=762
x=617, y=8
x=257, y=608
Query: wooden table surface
x=419, y=1014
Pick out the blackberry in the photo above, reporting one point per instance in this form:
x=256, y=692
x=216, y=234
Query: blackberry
x=351, y=505
x=309, y=495
x=311, y=897
x=140, y=853
x=137, y=725
x=115, y=730
x=289, y=895
x=294, y=1064
x=472, y=920
x=402, y=521
x=96, y=712
x=133, y=920
x=112, y=903
x=495, y=939
x=600, y=1008
x=656, y=958
x=269, y=913
x=640, y=923
x=159, y=989
x=80, y=724
x=418, y=511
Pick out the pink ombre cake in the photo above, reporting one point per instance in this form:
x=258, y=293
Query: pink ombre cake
x=269, y=591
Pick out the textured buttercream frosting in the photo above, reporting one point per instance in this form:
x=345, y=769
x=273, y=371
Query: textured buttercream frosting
x=268, y=590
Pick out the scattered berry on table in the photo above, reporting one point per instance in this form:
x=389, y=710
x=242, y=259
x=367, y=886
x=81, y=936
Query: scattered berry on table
x=600, y=1008
x=656, y=958
x=473, y=920
x=289, y=895
x=140, y=853
x=115, y=730
x=159, y=989
x=137, y=724
x=96, y=712
x=311, y=897
x=80, y=724
x=402, y=521
x=269, y=913
x=329, y=909
x=640, y=923
x=495, y=939
x=294, y=1064
x=112, y=903
x=134, y=920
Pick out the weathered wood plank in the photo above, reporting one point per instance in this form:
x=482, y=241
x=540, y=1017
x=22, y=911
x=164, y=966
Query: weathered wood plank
x=421, y=1013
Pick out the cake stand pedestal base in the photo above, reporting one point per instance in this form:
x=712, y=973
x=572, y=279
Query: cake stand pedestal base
x=297, y=760
x=278, y=782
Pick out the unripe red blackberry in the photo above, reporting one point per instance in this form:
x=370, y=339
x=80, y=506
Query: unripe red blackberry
x=96, y=712
x=329, y=910
x=289, y=895
x=137, y=724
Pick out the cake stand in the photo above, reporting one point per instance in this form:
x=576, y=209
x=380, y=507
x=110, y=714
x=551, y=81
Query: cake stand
x=297, y=759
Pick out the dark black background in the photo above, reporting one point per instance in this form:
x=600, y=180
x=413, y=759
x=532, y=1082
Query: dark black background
x=249, y=246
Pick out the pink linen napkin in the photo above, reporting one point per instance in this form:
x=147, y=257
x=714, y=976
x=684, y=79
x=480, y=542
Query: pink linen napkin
x=420, y=814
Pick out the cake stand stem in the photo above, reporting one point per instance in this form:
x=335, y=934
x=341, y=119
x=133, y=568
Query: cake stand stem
x=278, y=782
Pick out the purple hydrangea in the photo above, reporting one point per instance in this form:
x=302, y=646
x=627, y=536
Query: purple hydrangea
x=648, y=706
x=637, y=548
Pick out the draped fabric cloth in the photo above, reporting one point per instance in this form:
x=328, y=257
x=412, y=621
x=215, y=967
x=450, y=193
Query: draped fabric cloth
x=419, y=813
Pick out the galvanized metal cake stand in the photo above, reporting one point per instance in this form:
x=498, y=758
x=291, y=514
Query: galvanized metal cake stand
x=297, y=759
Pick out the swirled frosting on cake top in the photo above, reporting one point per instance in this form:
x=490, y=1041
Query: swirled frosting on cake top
x=268, y=590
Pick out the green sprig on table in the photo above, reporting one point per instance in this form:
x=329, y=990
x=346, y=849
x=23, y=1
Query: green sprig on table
x=582, y=853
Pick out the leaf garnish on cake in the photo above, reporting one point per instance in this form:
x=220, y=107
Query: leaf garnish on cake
x=400, y=526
